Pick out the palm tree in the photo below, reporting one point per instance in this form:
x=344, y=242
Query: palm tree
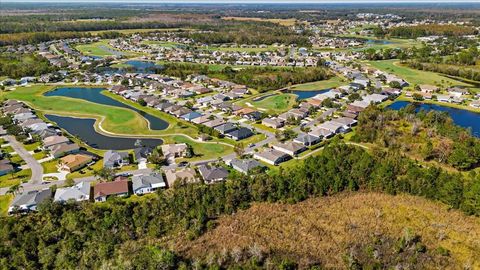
x=14, y=189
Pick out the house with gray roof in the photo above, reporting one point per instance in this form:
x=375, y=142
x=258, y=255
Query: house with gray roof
x=239, y=134
x=190, y=116
x=225, y=128
x=245, y=165
x=307, y=139
x=212, y=174
x=291, y=148
x=272, y=156
x=113, y=159
x=78, y=192
x=148, y=183
x=28, y=201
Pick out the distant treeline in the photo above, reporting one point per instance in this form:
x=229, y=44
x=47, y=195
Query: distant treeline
x=17, y=66
x=247, y=32
x=431, y=29
x=260, y=78
x=470, y=73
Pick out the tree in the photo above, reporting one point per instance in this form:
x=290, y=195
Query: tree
x=14, y=189
x=239, y=149
x=106, y=174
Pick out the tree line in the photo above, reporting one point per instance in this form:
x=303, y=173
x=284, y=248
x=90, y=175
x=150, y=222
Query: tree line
x=430, y=135
x=260, y=78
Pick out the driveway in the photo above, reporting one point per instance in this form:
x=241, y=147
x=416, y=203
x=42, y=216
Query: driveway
x=32, y=163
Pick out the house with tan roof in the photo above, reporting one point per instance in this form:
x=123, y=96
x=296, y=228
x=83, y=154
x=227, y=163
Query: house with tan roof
x=102, y=191
x=186, y=174
x=71, y=163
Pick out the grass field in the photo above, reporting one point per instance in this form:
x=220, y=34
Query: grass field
x=274, y=104
x=17, y=178
x=5, y=203
x=327, y=229
x=277, y=103
x=102, y=49
x=320, y=85
x=50, y=166
x=414, y=76
x=203, y=150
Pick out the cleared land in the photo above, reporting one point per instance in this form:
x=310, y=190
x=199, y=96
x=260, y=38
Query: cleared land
x=284, y=22
x=326, y=230
x=414, y=76
x=320, y=85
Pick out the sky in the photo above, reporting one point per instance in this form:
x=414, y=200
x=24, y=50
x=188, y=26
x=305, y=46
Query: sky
x=252, y=1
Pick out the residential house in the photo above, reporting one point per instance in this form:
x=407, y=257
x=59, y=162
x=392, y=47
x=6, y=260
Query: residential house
x=54, y=140
x=321, y=133
x=5, y=167
x=214, y=123
x=175, y=150
x=73, y=162
x=112, y=159
x=212, y=174
x=148, y=183
x=102, y=191
x=191, y=116
x=225, y=128
x=272, y=156
x=185, y=174
x=245, y=165
x=291, y=148
x=239, y=134
x=273, y=122
x=141, y=154
x=60, y=150
x=428, y=89
x=307, y=139
x=28, y=201
x=78, y=192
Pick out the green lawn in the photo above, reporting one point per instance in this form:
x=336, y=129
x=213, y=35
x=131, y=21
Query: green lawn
x=414, y=76
x=320, y=85
x=32, y=146
x=102, y=49
x=5, y=203
x=115, y=120
x=276, y=104
x=40, y=155
x=17, y=160
x=203, y=150
x=17, y=178
x=50, y=166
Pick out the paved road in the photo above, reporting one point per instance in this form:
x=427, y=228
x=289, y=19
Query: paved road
x=32, y=163
x=39, y=186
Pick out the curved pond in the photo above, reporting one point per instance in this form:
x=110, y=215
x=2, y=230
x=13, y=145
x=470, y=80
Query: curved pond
x=95, y=95
x=308, y=94
x=143, y=66
x=84, y=129
x=463, y=118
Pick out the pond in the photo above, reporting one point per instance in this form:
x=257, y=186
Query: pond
x=84, y=129
x=308, y=94
x=378, y=41
x=143, y=66
x=463, y=118
x=95, y=95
